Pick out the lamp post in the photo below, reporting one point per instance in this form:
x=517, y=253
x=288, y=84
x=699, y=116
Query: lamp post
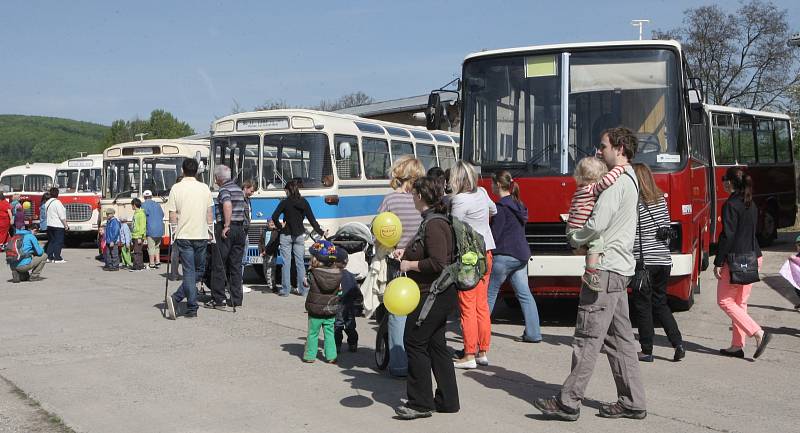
x=640, y=24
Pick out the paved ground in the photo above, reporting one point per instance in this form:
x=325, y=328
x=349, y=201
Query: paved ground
x=93, y=349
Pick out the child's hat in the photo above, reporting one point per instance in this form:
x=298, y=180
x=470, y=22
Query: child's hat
x=341, y=255
x=323, y=251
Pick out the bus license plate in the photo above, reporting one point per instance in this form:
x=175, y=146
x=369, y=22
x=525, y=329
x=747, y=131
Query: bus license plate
x=255, y=260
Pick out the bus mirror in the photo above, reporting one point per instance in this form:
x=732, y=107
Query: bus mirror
x=345, y=150
x=694, y=96
x=696, y=113
x=201, y=167
x=433, y=111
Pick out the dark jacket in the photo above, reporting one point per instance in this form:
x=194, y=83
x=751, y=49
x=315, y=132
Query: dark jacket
x=294, y=211
x=738, y=229
x=324, y=291
x=508, y=229
x=436, y=254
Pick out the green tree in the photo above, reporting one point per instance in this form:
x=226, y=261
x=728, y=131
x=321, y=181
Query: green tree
x=161, y=124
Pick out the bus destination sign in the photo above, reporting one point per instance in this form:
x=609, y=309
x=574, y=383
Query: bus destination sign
x=260, y=124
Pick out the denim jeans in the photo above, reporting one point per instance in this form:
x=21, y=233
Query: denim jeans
x=398, y=360
x=292, y=246
x=55, y=242
x=193, y=261
x=502, y=267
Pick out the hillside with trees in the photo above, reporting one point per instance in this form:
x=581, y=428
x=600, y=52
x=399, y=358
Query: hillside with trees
x=46, y=139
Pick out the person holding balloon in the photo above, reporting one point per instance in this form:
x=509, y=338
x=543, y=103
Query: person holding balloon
x=404, y=172
x=423, y=260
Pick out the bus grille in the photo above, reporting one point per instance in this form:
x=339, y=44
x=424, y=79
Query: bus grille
x=254, y=233
x=547, y=238
x=78, y=212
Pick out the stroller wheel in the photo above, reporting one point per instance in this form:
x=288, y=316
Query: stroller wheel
x=382, y=345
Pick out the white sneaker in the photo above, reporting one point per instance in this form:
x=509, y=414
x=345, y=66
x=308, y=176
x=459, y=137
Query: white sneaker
x=482, y=360
x=246, y=289
x=466, y=365
x=59, y=261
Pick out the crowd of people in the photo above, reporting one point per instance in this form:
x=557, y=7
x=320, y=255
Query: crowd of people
x=618, y=219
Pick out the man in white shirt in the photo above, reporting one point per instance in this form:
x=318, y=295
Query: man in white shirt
x=190, y=210
x=56, y=225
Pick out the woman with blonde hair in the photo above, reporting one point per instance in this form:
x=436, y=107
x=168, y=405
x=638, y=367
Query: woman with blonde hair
x=471, y=204
x=651, y=250
x=404, y=172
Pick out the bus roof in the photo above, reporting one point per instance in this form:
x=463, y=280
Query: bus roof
x=227, y=123
x=183, y=145
x=32, y=168
x=89, y=161
x=577, y=45
x=747, y=111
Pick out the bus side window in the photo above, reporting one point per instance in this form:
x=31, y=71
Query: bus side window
x=348, y=160
x=723, y=139
x=747, y=151
x=783, y=142
x=376, y=158
x=447, y=157
x=765, y=141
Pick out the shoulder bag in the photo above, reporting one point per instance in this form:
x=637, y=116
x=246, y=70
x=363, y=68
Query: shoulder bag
x=743, y=267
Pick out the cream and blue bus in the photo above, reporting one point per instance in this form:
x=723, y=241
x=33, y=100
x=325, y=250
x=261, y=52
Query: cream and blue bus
x=342, y=161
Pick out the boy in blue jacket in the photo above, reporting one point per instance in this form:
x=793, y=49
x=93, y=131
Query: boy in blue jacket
x=112, y=241
x=31, y=259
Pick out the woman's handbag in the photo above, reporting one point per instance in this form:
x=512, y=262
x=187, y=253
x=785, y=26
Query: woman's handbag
x=743, y=267
x=641, y=276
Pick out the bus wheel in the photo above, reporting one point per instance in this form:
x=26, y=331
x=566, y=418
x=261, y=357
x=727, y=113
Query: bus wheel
x=259, y=270
x=768, y=231
x=382, y=344
x=684, y=305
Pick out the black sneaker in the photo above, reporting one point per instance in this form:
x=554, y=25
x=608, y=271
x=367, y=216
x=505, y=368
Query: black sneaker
x=680, y=353
x=732, y=353
x=616, y=410
x=765, y=339
x=645, y=357
x=215, y=305
x=552, y=407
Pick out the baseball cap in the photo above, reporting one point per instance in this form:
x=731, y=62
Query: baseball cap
x=147, y=193
x=323, y=251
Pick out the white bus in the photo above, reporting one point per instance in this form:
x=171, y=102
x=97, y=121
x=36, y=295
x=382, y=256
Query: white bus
x=30, y=181
x=80, y=181
x=342, y=161
x=131, y=168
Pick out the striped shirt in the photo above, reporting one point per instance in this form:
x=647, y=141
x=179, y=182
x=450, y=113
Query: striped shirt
x=231, y=192
x=585, y=197
x=402, y=205
x=655, y=252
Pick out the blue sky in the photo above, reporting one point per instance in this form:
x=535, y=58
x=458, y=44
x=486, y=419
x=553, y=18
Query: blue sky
x=104, y=60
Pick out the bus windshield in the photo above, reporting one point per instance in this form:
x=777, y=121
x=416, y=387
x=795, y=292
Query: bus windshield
x=14, y=181
x=513, y=108
x=67, y=180
x=90, y=180
x=37, y=182
x=297, y=156
x=122, y=178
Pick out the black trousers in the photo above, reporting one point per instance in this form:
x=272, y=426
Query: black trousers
x=651, y=302
x=227, y=261
x=427, y=351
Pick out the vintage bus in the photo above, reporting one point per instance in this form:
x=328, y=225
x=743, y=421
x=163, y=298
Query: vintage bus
x=30, y=181
x=536, y=111
x=131, y=168
x=79, y=181
x=342, y=161
x=761, y=143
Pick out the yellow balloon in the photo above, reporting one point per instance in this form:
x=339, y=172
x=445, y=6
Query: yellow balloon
x=387, y=229
x=26, y=205
x=401, y=296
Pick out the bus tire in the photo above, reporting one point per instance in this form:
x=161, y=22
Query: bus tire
x=382, y=345
x=259, y=270
x=678, y=305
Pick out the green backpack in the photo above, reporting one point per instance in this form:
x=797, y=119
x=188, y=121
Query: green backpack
x=469, y=265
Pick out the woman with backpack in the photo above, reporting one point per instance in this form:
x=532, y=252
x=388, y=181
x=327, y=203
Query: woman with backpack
x=471, y=204
x=430, y=251
x=651, y=246
x=512, y=252
x=295, y=209
x=5, y=220
x=738, y=238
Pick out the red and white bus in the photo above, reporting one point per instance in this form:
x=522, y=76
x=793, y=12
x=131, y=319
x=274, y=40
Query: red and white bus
x=30, y=181
x=80, y=182
x=760, y=142
x=536, y=111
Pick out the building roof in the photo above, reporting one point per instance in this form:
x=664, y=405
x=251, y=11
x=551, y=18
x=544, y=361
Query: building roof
x=413, y=103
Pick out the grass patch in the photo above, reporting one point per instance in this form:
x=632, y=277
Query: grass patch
x=53, y=421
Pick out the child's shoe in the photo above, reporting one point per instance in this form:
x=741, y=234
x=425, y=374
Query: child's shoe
x=309, y=361
x=331, y=361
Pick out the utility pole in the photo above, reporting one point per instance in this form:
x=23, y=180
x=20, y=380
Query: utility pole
x=640, y=24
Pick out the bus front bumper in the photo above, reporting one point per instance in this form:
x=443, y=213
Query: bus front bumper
x=573, y=266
